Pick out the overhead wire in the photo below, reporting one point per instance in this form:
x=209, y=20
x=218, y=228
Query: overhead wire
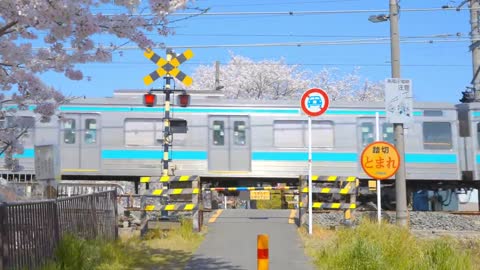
x=306, y=12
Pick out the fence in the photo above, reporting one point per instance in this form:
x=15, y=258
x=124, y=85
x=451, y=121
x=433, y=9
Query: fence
x=329, y=192
x=172, y=193
x=30, y=231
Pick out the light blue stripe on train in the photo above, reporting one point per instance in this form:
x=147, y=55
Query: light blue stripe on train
x=262, y=156
x=274, y=156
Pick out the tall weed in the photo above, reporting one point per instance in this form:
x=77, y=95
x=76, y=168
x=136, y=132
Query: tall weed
x=382, y=247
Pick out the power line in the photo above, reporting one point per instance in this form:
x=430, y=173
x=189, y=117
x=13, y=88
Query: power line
x=288, y=44
x=302, y=44
x=286, y=3
x=292, y=13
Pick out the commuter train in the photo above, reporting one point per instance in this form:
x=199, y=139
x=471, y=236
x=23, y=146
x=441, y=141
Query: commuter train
x=118, y=138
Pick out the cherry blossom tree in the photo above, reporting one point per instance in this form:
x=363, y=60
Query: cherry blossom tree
x=37, y=36
x=244, y=78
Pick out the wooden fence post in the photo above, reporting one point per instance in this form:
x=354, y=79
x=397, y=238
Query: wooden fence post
x=94, y=217
x=56, y=223
x=115, y=214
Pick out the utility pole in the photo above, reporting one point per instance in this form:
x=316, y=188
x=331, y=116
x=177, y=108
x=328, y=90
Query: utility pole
x=217, y=75
x=474, y=47
x=400, y=175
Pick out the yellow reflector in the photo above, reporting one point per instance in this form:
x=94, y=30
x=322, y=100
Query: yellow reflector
x=184, y=178
x=149, y=207
x=145, y=179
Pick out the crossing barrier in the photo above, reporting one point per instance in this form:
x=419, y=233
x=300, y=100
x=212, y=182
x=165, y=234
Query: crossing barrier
x=172, y=193
x=329, y=192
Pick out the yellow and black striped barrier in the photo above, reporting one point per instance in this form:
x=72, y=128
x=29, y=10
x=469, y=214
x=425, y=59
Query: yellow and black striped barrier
x=333, y=178
x=346, y=186
x=175, y=191
x=168, y=179
x=343, y=191
x=320, y=205
x=172, y=207
x=172, y=193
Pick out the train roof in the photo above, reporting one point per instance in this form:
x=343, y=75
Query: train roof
x=216, y=98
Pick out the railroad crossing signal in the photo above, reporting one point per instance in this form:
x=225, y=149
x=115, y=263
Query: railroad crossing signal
x=169, y=66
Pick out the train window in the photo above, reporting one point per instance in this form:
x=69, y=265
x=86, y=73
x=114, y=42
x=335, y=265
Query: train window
x=437, y=135
x=288, y=133
x=239, y=133
x=368, y=133
x=322, y=134
x=388, y=132
x=69, y=131
x=143, y=132
x=90, y=131
x=218, y=132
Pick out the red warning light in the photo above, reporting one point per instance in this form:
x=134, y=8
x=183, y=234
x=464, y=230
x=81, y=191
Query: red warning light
x=149, y=100
x=184, y=100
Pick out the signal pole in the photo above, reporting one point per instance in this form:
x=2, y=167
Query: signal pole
x=400, y=175
x=166, y=119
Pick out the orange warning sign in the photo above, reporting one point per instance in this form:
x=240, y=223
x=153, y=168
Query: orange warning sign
x=380, y=160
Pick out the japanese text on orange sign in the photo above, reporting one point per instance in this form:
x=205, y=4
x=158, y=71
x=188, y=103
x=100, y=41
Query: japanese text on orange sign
x=380, y=160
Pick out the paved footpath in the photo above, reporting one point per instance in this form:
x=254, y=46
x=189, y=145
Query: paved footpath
x=231, y=241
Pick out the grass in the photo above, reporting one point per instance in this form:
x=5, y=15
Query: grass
x=157, y=250
x=373, y=247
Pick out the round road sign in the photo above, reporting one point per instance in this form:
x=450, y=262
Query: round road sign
x=314, y=102
x=380, y=160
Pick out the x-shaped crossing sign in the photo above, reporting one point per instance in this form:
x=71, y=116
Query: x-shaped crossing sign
x=169, y=67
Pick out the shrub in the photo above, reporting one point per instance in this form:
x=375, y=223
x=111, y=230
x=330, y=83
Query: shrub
x=373, y=247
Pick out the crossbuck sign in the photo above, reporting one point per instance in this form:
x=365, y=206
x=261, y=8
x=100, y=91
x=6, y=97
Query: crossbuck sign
x=169, y=66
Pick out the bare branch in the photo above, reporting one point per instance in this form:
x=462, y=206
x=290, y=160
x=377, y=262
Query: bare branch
x=5, y=29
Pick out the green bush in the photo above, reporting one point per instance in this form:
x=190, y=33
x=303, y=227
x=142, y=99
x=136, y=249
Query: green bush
x=377, y=247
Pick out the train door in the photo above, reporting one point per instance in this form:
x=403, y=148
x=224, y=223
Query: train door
x=229, y=143
x=81, y=142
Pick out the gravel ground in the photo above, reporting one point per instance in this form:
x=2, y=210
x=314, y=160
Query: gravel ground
x=419, y=221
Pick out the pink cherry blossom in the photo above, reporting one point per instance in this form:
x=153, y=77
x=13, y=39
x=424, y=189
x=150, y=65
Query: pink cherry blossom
x=37, y=36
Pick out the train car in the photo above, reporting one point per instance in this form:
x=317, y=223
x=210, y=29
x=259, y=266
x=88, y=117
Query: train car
x=119, y=138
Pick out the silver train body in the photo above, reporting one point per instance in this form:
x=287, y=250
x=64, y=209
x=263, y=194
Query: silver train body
x=119, y=138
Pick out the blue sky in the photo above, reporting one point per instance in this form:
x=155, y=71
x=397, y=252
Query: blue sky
x=439, y=71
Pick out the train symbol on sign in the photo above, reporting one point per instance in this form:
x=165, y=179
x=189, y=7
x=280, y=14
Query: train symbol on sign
x=314, y=101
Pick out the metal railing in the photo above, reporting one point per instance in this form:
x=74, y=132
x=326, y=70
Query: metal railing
x=30, y=231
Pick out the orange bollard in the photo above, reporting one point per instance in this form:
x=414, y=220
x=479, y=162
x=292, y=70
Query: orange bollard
x=262, y=252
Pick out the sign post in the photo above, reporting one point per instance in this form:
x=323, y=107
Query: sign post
x=314, y=102
x=379, y=188
x=380, y=160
